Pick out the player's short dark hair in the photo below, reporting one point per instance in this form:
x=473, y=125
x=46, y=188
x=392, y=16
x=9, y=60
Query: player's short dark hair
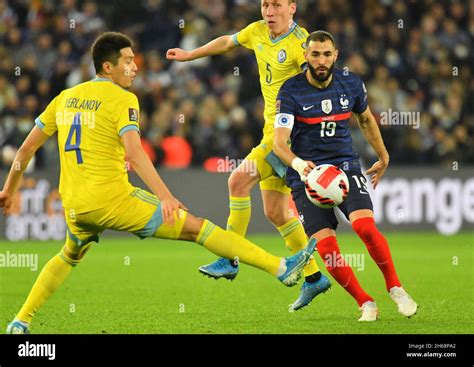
x=320, y=36
x=107, y=48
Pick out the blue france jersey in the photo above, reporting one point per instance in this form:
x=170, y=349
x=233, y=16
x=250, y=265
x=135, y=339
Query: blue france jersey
x=319, y=119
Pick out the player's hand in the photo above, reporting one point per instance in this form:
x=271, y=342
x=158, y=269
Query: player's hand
x=310, y=166
x=169, y=206
x=302, y=167
x=6, y=201
x=377, y=171
x=178, y=54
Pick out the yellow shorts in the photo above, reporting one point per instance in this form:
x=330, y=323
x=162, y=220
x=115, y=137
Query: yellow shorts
x=269, y=180
x=139, y=213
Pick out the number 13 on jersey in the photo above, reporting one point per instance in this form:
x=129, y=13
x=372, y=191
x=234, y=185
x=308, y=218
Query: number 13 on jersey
x=75, y=131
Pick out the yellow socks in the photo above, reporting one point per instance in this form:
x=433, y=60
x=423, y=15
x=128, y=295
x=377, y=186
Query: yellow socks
x=296, y=240
x=292, y=232
x=51, y=277
x=229, y=245
x=239, y=217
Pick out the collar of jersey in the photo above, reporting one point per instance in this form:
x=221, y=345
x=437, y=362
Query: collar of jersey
x=101, y=80
x=108, y=80
x=283, y=35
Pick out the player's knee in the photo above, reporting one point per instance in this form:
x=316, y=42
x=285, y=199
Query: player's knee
x=239, y=183
x=365, y=228
x=235, y=183
x=327, y=246
x=72, y=256
x=191, y=228
x=276, y=215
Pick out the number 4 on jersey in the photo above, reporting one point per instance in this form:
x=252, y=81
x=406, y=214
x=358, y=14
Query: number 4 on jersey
x=75, y=130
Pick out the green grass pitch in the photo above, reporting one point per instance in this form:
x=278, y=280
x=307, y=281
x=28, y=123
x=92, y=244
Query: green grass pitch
x=128, y=286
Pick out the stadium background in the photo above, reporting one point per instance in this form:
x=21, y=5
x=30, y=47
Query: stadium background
x=414, y=56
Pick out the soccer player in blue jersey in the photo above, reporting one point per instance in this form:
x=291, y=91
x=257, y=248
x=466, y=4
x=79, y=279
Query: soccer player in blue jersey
x=313, y=112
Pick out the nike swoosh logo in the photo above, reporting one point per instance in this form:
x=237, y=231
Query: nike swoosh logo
x=362, y=192
x=306, y=108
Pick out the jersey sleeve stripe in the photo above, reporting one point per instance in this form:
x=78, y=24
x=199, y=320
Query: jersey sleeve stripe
x=124, y=129
x=235, y=40
x=39, y=123
x=299, y=33
x=317, y=120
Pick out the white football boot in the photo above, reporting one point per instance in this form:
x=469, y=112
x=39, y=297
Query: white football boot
x=406, y=306
x=369, y=311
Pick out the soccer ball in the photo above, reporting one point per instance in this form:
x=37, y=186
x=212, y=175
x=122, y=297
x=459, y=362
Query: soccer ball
x=327, y=186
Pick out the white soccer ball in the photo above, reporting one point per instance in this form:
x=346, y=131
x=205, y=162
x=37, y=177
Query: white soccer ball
x=327, y=186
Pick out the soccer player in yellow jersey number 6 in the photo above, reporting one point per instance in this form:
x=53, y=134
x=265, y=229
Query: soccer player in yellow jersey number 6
x=278, y=44
x=97, y=125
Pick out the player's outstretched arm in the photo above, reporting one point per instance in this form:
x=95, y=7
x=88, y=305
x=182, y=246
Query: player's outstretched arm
x=371, y=132
x=147, y=172
x=32, y=143
x=217, y=46
x=283, y=151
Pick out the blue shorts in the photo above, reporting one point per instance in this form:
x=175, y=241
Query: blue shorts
x=315, y=218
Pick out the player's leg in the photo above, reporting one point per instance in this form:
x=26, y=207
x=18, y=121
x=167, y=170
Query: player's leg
x=141, y=214
x=231, y=245
x=340, y=270
x=241, y=181
x=358, y=209
x=275, y=203
x=363, y=223
x=321, y=224
x=275, y=195
x=53, y=274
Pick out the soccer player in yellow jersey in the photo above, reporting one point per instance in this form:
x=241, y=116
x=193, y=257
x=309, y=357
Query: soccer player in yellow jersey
x=97, y=123
x=278, y=44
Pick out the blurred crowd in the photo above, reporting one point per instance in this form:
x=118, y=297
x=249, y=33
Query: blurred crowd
x=414, y=56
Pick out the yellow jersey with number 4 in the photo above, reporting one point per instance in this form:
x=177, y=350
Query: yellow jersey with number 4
x=90, y=118
x=278, y=60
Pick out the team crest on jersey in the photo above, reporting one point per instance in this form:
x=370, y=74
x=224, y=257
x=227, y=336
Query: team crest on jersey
x=133, y=114
x=326, y=106
x=281, y=56
x=344, y=102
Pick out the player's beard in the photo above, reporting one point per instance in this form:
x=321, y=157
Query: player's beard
x=320, y=77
